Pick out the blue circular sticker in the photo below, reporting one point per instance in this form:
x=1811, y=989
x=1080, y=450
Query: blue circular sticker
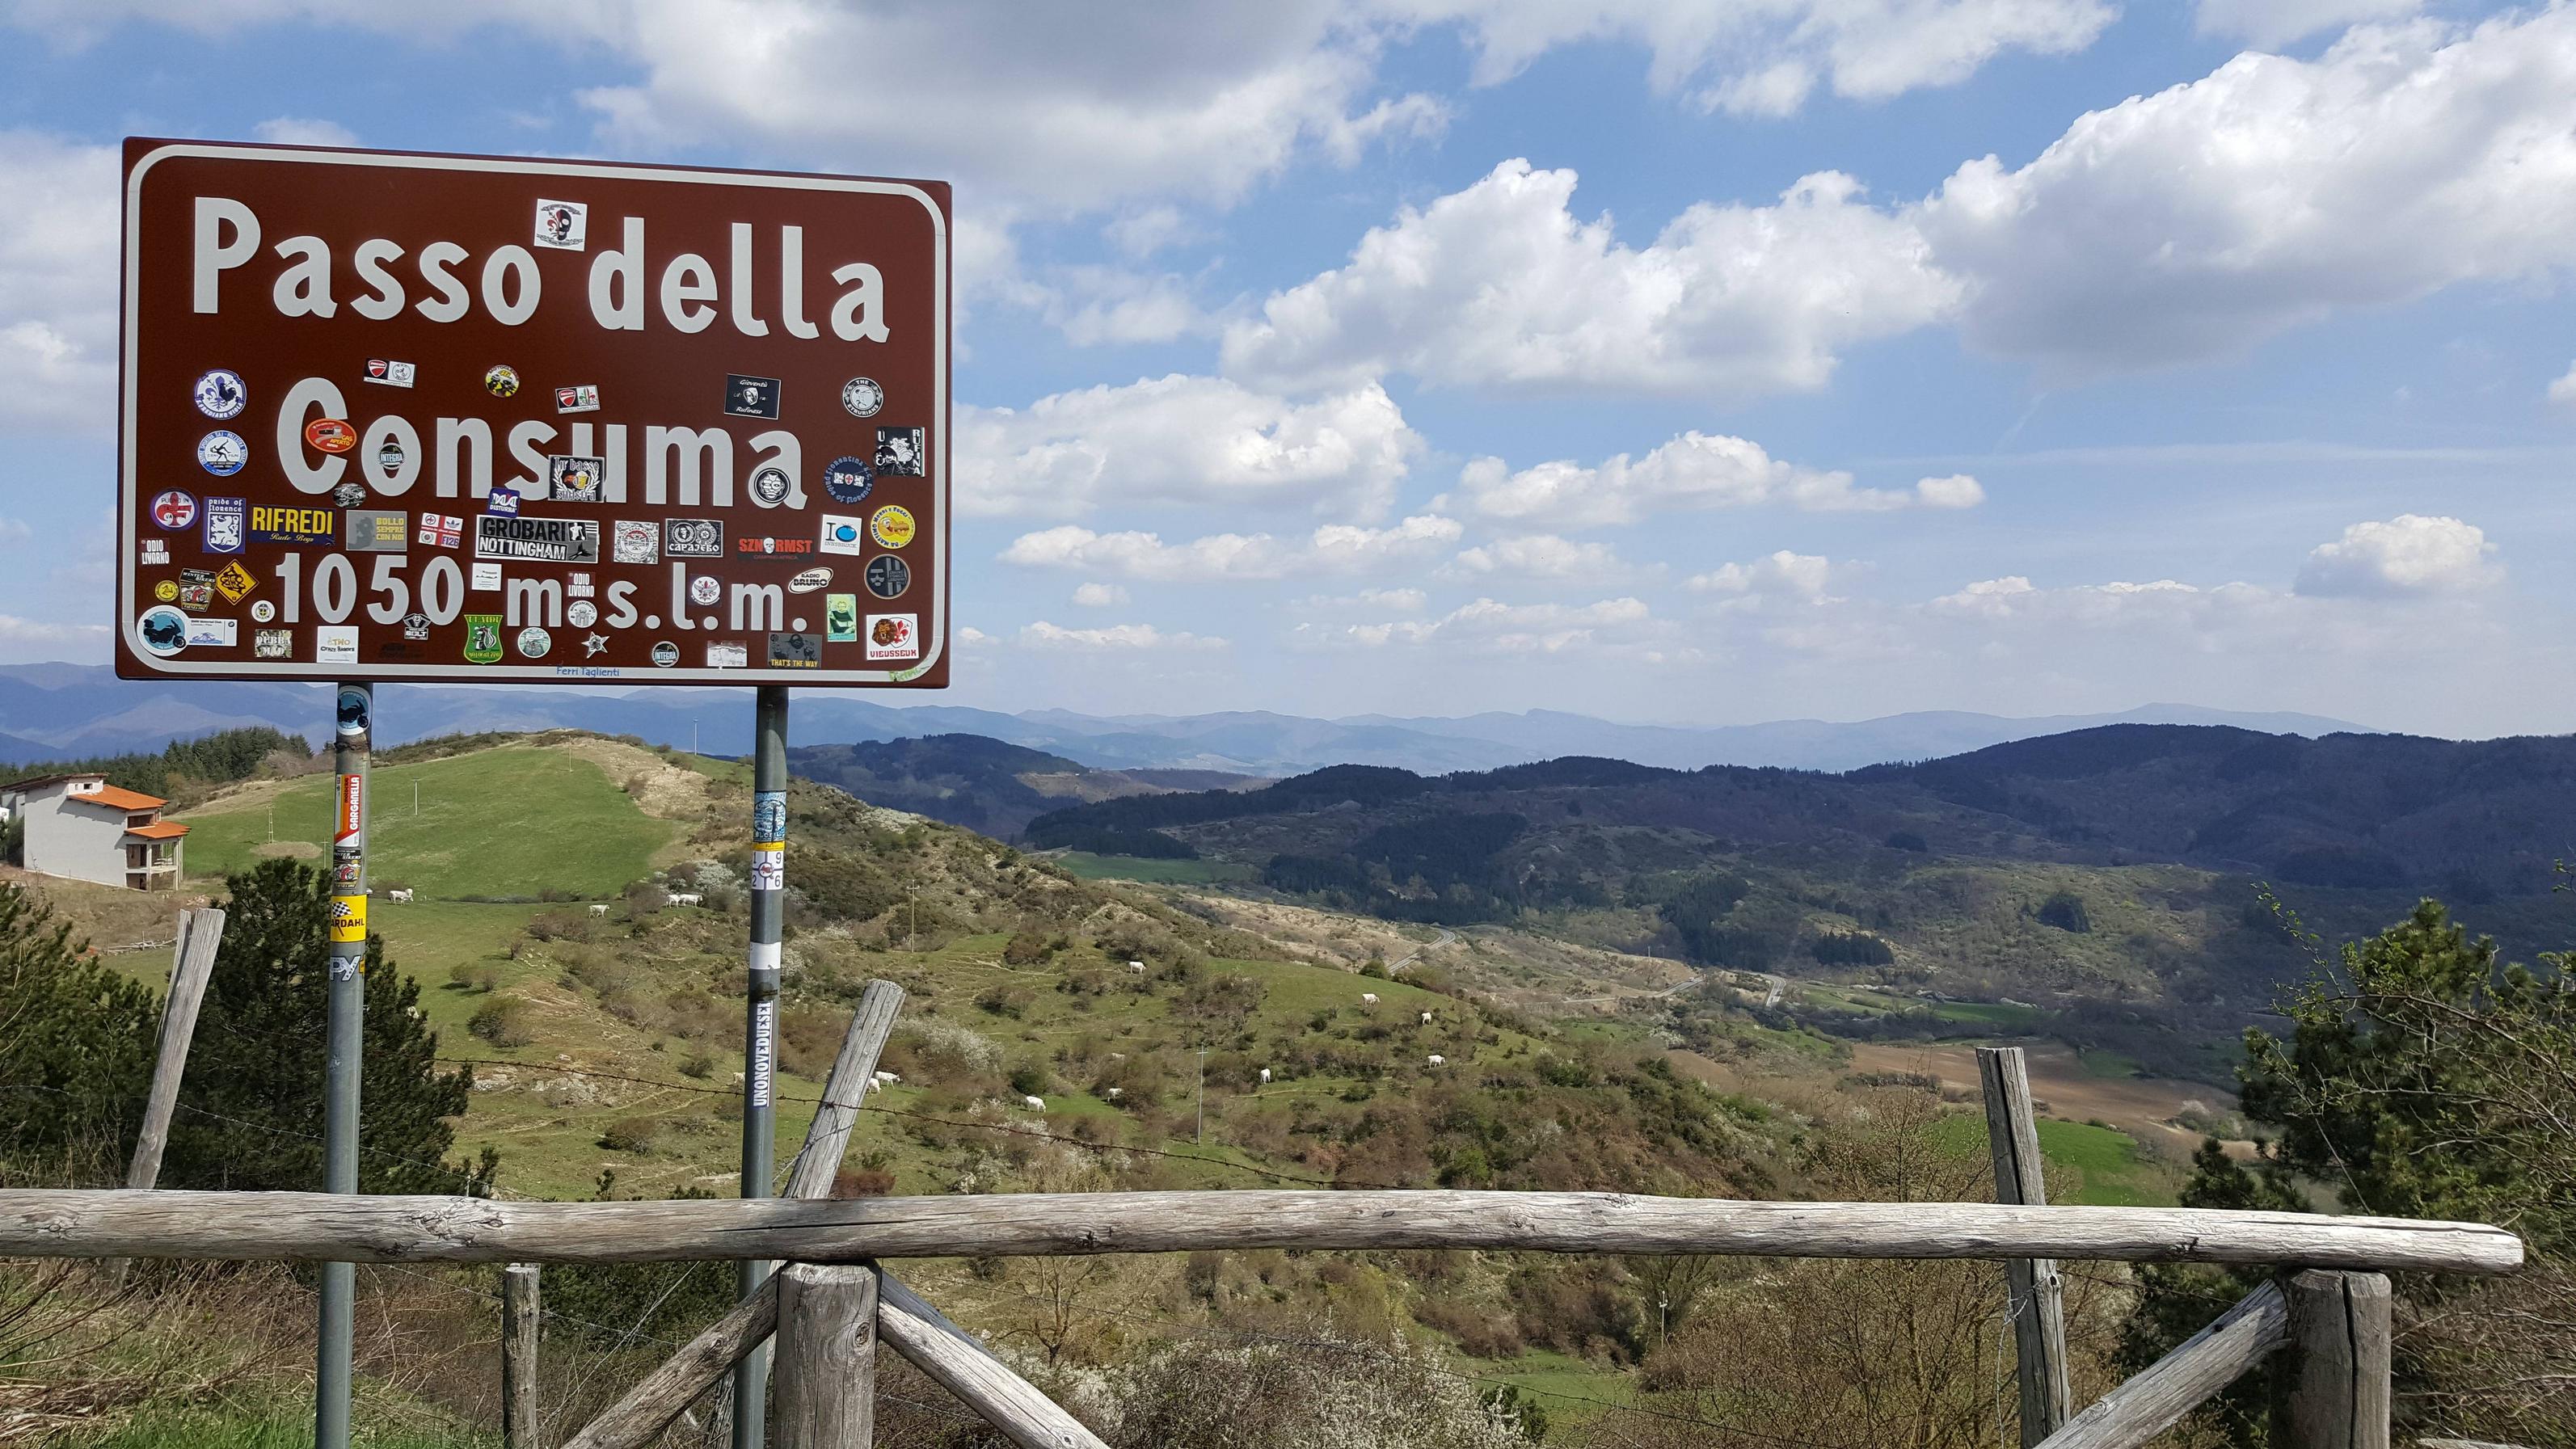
x=220, y=394
x=222, y=452
x=849, y=479
x=163, y=631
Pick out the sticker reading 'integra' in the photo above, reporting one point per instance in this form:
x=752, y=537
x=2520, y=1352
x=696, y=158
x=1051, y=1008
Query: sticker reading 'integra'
x=536, y=540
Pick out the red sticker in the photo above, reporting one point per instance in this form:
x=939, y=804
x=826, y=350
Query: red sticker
x=353, y=802
x=330, y=435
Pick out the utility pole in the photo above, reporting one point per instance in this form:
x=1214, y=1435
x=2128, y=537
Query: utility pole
x=415, y=799
x=760, y=1029
x=912, y=937
x=345, y=1035
x=1203, y=1096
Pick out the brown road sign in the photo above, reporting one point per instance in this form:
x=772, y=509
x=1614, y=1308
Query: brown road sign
x=391, y=416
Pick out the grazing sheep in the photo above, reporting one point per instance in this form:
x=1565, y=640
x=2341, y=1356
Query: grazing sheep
x=1438, y=1060
x=1034, y=1104
x=1368, y=998
x=594, y=910
x=888, y=1078
x=1113, y=1094
x=1136, y=967
x=683, y=898
x=1265, y=1076
x=1426, y=1018
x=401, y=895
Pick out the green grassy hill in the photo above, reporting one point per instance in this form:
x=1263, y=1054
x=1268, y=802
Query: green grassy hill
x=505, y=823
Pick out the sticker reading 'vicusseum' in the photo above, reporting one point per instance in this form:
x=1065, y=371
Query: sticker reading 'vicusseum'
x=415, y=433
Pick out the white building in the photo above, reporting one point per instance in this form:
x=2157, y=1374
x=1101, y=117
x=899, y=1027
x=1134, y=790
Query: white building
x=85, y=828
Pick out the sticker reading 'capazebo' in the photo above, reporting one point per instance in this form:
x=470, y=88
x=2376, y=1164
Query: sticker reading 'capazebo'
x=769, y=817
x=692, y=538
x=536, y=540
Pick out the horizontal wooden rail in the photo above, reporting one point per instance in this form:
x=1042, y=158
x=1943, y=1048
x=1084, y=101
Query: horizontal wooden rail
x=333, y=1228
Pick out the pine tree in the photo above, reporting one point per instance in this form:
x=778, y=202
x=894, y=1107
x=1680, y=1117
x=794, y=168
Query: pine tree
x=251, y=1115
x=76, y=1040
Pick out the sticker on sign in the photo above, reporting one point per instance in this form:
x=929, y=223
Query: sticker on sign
x=392, y=370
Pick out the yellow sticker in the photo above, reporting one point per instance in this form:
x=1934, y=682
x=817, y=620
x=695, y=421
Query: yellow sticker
x=234, y=581
x=892, y=526
x=348, y=919
x=165, y=591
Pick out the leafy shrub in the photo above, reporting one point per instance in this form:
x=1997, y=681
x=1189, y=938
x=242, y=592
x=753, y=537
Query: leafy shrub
x=504, y=1021
x=2065, y=910
x=631, y=1134
x=1851, y=948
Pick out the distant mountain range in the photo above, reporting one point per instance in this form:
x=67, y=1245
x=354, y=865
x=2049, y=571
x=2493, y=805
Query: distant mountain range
x=53, y=711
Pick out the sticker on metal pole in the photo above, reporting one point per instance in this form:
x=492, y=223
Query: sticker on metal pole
x=348, y=920
x=769, y=819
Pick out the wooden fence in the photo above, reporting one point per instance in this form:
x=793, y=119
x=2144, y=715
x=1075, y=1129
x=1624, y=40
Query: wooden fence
x=2329, y=1307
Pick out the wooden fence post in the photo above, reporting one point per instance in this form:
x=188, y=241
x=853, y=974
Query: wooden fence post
x=826, y=1365
x=519, y=1313
x=200, y=932
x=2339, y=1331
x=192, y=960
x=2038, y=1295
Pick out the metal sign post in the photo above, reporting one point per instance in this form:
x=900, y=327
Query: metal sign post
x=760, y=1028
x=354, y=719
x=507, y=420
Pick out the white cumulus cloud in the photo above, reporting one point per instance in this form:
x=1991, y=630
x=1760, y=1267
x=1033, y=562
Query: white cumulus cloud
x=1542, y=556
x=1795, y=575
x=1489, y=626
x=1113, y=638
x=1766, y=55
x=1501, y=285
x=2408, y=554
x=1338, y=548
x=57, y=285
x=1099, y=596
x=2563, y=390
x=2278, y=22
x=304, y=131
x=1691, y=472
x=1181, y=439
x=2198, y=221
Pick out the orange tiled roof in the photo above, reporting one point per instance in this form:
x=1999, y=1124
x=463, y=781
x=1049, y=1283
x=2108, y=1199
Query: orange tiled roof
x=159, y=830
x=116, y=799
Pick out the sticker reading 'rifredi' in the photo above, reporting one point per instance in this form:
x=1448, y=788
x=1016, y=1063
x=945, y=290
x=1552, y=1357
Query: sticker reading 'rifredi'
x=536, y=540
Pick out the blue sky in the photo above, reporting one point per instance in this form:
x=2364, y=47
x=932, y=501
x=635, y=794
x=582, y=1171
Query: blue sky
x=1692, y=362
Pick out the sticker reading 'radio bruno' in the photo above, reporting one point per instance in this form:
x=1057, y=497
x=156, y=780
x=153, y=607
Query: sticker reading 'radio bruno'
x=519, y=426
